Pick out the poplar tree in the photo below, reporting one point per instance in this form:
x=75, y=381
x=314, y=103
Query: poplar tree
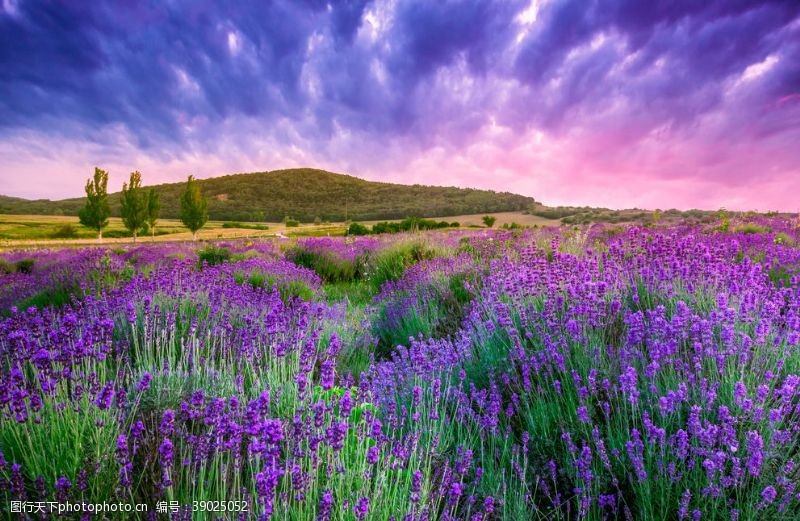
x=194, y=208
x=134, y=204
x=96, y=211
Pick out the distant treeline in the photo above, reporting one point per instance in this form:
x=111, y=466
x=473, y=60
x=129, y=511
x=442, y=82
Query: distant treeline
x=305, y=194
x=587, y=214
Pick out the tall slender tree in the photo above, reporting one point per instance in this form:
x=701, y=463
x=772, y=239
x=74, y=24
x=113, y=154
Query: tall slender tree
x=153, y=209
x=134, y=204
x=194, y=207
x=96, y=211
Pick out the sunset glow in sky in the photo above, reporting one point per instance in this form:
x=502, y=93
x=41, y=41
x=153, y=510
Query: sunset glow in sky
x=620, y=103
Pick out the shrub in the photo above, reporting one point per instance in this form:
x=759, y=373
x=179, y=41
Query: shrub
x=391, y=263
x=780, y=277
x=751, y=228
x=213, y=255
x=56, y=296
x=329, y=267
x=288, y=289
x=511, y=226
x=489, y=220
x=416, y=223
x=554, y=213
x=24, y=265
x=386, y=227
x=357, y=229
x=6, y=267
x=117, y=234
x=244, y=226
x=410, y=224
x=66, y=231
x=290, y=223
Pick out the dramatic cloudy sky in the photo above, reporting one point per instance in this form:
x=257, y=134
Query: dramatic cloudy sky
x=617, y=103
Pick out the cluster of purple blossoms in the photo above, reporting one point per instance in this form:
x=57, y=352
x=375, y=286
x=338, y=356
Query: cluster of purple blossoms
x=663, y=357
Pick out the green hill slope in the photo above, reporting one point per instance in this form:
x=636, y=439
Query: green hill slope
x=304, y=194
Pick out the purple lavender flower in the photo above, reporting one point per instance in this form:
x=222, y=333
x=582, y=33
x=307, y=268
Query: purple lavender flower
x=137, y=429
x=455, y=491
x=768, y=495
x=683, y=507
x=18, y=482
x=755, y=446
x=272, y=430
x=361, y=508
x=345, y=404
x=126, y=467
x=266, y=483
x=628, y=385
x=105, y=397
x=144, y=382
x=335, y=435
x=584, y=464
x=373, y=454
x=165, y=452
x=325, y=506
x=416, y=393
x=122, y=445
x=62, y=489
x=167, y=422
x=416, y=486
x=635, y=449
x=607, y=501
x=326, y=374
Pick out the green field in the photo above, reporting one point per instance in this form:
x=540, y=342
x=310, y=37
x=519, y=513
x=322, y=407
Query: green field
x=45, y=230
x=50, y=229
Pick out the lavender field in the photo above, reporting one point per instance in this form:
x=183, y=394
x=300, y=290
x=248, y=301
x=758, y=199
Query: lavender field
x=576, y=373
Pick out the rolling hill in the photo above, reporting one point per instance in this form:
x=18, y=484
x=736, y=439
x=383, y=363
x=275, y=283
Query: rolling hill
x=304, y=194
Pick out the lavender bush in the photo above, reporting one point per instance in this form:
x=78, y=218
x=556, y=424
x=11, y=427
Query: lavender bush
x=579, y=373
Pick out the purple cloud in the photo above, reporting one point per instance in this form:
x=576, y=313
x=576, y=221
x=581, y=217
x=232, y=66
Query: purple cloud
x=592, y=102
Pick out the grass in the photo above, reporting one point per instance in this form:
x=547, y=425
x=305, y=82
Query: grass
x=750, y=228
x=327, y=265
x=355, y=293
x=19, y=230
x=22, y=230
x=390, y=263
x=212, y=255
x=289, y=290
x=66, y=441
x=56, y=297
